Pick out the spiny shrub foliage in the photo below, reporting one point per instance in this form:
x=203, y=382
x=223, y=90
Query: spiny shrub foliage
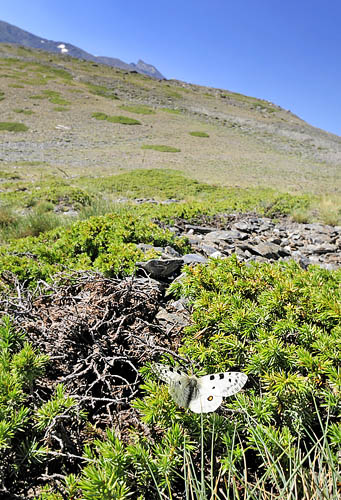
x=20, y=365
x=279, y=324
x=282, y=434
x=25, y=419
x=106, y=243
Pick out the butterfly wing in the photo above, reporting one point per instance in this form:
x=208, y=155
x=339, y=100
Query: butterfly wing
x=212, y=389
x=167, y=373
x=181, y=387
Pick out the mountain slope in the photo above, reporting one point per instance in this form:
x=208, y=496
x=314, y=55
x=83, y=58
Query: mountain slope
x=70, y=107
x=13, y=34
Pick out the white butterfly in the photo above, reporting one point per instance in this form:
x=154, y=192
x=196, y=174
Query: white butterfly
x=203, y=394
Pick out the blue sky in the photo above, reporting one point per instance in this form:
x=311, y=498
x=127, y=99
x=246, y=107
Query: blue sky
x=288, y=52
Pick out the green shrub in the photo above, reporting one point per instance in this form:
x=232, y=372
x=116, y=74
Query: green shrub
x=20, y=365
x=106, y=243
x=23, y=111
x=99, y=116
x=102, y=91
x=199, y=134
x=162, y=148
x=13, y=127
x=139, y=109
x=60, y=108
x=171, y=110
x=125, y=120
x=60, y=101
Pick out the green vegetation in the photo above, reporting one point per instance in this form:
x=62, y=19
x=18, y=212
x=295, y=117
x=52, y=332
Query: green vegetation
x=140, y=109
x=162, y=148
x=106, y=243
x=60, y=101
x=24, y=111
x=2, y=96
x=199, y=134
x=171, y=110
x=13, y=127
x=280, y=438
x=24, y=421
x=125, y=120
x=16, y=86
x=60, y=108
x=101, y=91
x=170, y=92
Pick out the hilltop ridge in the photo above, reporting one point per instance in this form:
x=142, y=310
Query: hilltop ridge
x=12, y=34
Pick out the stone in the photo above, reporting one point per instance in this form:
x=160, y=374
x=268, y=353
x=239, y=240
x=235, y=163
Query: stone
x=229, y=236
x=266, y=250
x=194, y=258
x=199, y=229
x=161, y=268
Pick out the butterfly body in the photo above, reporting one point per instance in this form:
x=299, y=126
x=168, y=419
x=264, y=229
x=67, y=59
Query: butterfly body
x=200, y=394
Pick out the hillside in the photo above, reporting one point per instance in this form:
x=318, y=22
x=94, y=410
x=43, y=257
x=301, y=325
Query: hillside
x=13, y=34
x=251, y=142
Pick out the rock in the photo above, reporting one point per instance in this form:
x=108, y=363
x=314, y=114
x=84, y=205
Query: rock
x=161, y=268
x=266, y=250
x=199, y=229
x=229, y=236
x=322, y=249
x=173, y=318
x=170, y=251
x=209, y=250
x=217, y=255
x=243, y=226
x=194, y=258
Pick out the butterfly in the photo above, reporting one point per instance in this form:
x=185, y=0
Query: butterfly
x=200, y=394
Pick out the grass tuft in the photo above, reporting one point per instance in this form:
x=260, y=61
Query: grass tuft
x=13, y=126
x=139, y=109
x=162, y=148
x=125, y=120
x=24, y=111
x=199, y=134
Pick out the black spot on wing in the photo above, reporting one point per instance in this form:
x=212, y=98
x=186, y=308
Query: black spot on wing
x=212, y=377
x=221, y=376
x=171, y=369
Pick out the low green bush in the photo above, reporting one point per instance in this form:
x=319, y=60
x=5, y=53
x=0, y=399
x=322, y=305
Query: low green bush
x=199, y=134
x=13, y=127
x=162, y=148
x=102, y=91
x=59, y=100
x=139, y=109
x=99, y=116
x=104, y=243
x=24, y=111
x=125, y=120
x=171, y=110
x=20, y=366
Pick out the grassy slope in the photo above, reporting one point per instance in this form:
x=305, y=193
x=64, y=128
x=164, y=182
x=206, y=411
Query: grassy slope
x=252, y=142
